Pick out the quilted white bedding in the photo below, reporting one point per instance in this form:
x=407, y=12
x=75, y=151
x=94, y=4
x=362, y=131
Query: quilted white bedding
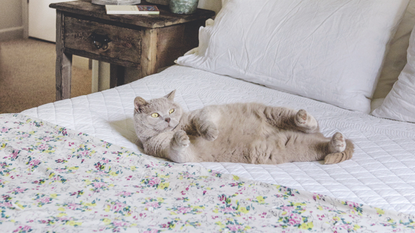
x=381, y=173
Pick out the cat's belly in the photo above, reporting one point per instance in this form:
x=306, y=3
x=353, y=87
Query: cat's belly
x=236, y=145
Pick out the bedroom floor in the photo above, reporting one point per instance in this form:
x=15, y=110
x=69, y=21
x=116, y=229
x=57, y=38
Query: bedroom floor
x=27, y=75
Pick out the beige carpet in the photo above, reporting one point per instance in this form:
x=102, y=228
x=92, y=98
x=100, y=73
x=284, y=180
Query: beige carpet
x=27, y=75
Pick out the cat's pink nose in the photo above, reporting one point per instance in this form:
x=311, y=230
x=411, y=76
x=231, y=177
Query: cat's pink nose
x=167, y=119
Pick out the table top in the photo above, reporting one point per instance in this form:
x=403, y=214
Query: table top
x=165, y=18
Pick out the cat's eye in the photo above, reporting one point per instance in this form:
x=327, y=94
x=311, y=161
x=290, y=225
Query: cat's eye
x=171, y=111
x=155, y=115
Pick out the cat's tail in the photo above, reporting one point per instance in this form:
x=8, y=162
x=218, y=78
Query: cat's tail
x=340, y=156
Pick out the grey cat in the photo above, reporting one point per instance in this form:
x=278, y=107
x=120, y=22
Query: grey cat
x=239, y=132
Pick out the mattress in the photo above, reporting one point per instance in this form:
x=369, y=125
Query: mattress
x=381, y=172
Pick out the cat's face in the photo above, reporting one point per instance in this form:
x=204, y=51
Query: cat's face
x=158, y=114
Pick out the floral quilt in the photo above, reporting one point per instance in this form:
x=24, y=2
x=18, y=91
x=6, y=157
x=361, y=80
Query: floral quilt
x=57, y=180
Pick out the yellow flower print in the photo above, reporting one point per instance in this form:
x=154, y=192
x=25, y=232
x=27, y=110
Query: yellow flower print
x=164, y=185
x=243, y=210
x=306, y=226
x=163, y=176
x=195, y=207
x=220, y=224
x=73, y=223
x=380, y=211
x=19, y=205
x=73, y=168
x=106, y=221
x=88, y=204
x=61, y=214
x=113, y=173
x=260, y=199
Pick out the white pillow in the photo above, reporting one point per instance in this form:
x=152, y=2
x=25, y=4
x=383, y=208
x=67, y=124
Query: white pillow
x=329, y=50
x=399, y=104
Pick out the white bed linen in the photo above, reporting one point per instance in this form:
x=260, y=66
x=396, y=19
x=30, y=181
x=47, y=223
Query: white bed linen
x=381, y=173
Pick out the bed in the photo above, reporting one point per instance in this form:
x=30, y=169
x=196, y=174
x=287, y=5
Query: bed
x=75, y=165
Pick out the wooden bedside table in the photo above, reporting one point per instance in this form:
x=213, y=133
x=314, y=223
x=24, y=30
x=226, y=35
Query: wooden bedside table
x=146, y=42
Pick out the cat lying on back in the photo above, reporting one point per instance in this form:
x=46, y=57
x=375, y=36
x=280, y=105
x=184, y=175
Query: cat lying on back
x=240, y=133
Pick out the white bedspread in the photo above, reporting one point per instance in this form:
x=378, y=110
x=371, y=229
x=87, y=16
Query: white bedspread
x=381, y=173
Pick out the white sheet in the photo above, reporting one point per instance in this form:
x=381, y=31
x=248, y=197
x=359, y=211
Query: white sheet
x=381, y=173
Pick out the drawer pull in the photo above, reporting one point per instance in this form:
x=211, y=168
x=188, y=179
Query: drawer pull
x=100, y=41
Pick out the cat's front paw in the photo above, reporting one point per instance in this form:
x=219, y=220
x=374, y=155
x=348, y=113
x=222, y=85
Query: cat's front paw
x=180, y=139
x=306, y=121
x=211, y=133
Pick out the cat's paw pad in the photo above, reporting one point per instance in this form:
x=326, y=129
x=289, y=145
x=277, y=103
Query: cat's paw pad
x=306, y=121
x=337, y=143
x=181, y=139
x=301, y=117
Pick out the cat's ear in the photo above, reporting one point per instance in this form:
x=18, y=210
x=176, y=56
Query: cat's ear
x=139, y=103
x=170, y=96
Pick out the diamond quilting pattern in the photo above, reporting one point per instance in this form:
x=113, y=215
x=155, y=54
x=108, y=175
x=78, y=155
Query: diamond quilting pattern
x=381, y=173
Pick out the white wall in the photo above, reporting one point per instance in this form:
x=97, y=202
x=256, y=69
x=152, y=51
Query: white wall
x=42, y=19
x=12, y=19
x=213, y=5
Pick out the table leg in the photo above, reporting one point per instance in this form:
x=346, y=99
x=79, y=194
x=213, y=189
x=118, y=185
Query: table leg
x=63, y=68
x=63, y=75
x=149, y=52
x=116, y=75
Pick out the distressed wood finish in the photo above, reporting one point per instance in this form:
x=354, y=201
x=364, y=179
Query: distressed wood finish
x=145, y=42
x=63, y=71
x=174, y=41
x=149, y=54
x=124, y=48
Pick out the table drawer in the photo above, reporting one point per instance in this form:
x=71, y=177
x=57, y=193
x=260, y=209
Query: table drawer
x=113, y=43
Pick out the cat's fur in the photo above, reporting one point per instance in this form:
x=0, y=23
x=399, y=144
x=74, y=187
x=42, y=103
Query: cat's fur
x=240, y=132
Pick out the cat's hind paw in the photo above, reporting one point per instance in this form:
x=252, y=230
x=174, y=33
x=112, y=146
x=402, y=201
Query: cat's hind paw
x=337, y=143
x=301, y=117
x=305, y=121
x=180, y=140
x=337, y=157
